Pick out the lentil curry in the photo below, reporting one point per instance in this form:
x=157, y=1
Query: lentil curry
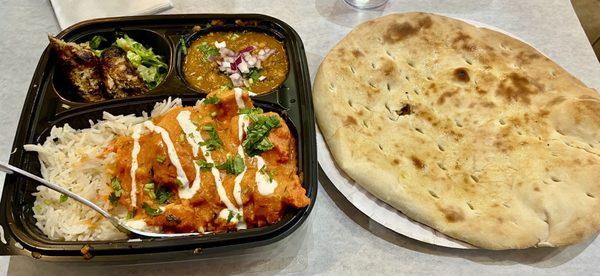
x=252, y=60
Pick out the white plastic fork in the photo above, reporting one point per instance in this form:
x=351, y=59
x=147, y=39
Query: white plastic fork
x=117, y=222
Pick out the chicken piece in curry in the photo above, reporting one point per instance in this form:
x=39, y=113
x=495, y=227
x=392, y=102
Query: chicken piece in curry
x=218, y=166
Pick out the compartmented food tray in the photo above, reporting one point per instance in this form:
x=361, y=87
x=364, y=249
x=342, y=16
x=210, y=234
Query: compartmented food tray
x=50, y=102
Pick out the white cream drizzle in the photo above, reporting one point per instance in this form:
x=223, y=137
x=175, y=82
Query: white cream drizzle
x=238, y=97
x=170, y=150
x=237, y=188
x=265, y=187
x=137, y=130
x=191, y=133
x=196, y=139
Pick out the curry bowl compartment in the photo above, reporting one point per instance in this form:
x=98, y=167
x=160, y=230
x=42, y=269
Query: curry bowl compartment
x=24, y=222
x=150, y=39
x=236, y=26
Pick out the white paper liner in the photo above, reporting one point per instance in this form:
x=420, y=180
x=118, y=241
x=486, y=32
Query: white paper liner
x=378, y=210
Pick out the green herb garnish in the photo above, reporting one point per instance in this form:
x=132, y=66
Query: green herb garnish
x=179, y=183
x=257, y=140
x=233, y=165
x=161, y=158
x=252, y=113
x=183, y=46
x=116, y=185
x=230, y=216
x=181, y=138
x=149, y=190
x=254, y=74
x=130, y=214
x=163, y=195
x=117, y=191
x=63, y=198
x=214, y=141
x=151, y=211
x=208, y=51
x=113, y=198
x=267, y=172
x=203, y=165
x=212, y=100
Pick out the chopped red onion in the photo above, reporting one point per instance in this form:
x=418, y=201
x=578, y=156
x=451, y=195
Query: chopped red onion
x=236, y=65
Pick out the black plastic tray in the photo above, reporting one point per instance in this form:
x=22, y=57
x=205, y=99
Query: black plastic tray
x=49, y=104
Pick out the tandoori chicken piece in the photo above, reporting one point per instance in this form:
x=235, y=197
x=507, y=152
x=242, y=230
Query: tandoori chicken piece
x=121, y=79
x=81, y=67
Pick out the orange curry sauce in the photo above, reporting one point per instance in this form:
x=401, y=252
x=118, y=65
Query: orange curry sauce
x=201, y=212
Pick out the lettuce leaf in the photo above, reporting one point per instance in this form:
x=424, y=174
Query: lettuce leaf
x=150, y=66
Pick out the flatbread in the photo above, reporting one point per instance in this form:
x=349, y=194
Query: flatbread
x=464, y=129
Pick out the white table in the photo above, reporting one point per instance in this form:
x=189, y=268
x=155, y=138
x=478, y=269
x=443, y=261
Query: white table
x=337, y=238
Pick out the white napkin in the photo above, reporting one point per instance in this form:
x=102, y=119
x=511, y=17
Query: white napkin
x=69, y=12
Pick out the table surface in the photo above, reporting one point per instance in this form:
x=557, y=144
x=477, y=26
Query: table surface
x=337, y=237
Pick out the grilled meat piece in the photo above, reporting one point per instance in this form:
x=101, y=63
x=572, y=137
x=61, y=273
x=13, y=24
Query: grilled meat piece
x=121, y=79
x=81, y=67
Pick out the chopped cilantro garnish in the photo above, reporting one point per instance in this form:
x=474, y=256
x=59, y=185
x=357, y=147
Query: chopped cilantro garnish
x=203, y=165
x=116, y=185
x=212, y=100
x=160, y=158
x=254, y=74
x=151, y=211
x=181, y=138
x=267, y=173
x=117, y=191
x=233, y=165
x=183, y=46
x=113, y=198
x=230, y=216
x=252, y=113
x=149, y=190
x=130, y=214
x=214, y=141
x=178, y=181
x=163, y=195
x=257, y=140
x=63, y=198
x=208, y=50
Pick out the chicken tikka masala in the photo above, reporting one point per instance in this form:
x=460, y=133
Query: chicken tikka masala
x=218, y=166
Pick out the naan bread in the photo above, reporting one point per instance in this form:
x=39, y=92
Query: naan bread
x=465, y=129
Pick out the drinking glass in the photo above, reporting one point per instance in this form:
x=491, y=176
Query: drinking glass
x=366, y=4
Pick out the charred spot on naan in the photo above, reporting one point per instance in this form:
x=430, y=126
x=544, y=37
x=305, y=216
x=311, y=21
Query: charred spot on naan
x=518, y=88
x=463, y=41
x=399, y=31
x=461, y=74
x=452, y=213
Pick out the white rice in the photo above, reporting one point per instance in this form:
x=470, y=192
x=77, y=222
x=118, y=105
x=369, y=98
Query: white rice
x=70, y=158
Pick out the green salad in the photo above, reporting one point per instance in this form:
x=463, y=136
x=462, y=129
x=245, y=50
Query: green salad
x=149, y=65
